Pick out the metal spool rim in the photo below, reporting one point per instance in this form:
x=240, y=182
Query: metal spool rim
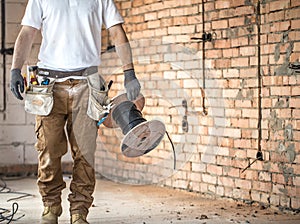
x=143, y=138
x=139, y=102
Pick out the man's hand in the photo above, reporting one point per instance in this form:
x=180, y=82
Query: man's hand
x=16, y=83
x=131, y=84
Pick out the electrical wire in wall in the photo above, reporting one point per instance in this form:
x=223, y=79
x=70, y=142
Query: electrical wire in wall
x=6, y=215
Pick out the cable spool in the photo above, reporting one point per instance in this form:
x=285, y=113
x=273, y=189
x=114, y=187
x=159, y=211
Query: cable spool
x=141, y=136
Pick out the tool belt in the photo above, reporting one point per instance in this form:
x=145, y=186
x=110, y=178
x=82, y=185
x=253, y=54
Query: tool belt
x=99, y=103
x=39, y=94
x=65, y=74
x=39, y=99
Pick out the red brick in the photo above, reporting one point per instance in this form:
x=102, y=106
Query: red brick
x=249, y=175
x=244, y=10
x=231, y=172
x=231, y=52
x=184, y=11
x=153, y=24
x=208, y=6
x=279, y=5
x=180, y=20
x=292, y=13
x=222, y=4
x=295, y=91
x=184, y=2
x=226, y=181
x=207, y=178
x=240, y=62
x=163, y=13
x=238, y=153
x=294, y=35
x=240, y=163
x=157, y=6
x=280, y=26
x=149, y=1
x=220, y=24
x=193, y=19
x=281, y=91
x=272, y=38
x=243, y=184
x=241, y=41
x=262, y=186
x=161, y=32
x=247, y=51
x=235, y=22
x=222, y=44
x=223, y=63
x=213, y=54
x=242, y=143
x=166, y=22
x=150, y=16
x=214, y=169
x=232, y=83
x=278, y=178
x=174, y=30
x=226, y=13
x=275, y=16
x=171, y=3
x=295, y=3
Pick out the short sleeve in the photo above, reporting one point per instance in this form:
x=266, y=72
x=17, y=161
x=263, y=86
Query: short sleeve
x=33, y=14
x=111, y=15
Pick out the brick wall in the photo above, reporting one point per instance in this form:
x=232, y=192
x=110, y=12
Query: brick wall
x=247, y=84
x=215, y=147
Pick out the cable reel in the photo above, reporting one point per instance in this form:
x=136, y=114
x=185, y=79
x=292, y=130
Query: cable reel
x=141, y=136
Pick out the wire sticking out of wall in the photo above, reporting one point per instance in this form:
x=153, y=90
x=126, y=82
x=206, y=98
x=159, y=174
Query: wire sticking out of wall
x=4, y=51
x=259, y=154
x=3, y=29
x=6, y=214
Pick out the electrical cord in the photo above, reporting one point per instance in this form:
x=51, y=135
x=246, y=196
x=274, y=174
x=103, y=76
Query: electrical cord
x=174, y=152
x=6, y=189
x=9, y=215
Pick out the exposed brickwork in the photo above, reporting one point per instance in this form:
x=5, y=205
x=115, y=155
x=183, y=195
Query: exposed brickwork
x=219, y=145
x=222, y=143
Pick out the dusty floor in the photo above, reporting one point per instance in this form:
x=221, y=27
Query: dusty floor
x=117, y=203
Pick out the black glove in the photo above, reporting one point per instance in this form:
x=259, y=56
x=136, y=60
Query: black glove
x=131, y=84
x=16, y=83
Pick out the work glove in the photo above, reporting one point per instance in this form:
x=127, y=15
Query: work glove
x=132, y=85
x=16, y=83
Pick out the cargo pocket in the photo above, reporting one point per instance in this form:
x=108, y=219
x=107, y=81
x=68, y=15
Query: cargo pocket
x=40, y=136
x=98, y=97
x=39, y=99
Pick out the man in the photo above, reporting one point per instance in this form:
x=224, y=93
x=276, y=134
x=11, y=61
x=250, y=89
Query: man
x=69, y=52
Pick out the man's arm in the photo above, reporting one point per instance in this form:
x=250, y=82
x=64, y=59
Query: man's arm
x=21, y=51
x=123, y=50
x=23, y=46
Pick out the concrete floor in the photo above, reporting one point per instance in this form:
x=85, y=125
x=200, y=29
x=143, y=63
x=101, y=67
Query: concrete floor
x=117, y=203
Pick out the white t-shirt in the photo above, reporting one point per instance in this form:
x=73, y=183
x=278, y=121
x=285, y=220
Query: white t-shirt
x=71, y=30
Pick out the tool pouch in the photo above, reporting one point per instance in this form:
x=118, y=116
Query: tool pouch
x=39, y=99
x=98, y=97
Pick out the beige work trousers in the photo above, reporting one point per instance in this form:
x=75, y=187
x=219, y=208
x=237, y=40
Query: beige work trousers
x=67, y=123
